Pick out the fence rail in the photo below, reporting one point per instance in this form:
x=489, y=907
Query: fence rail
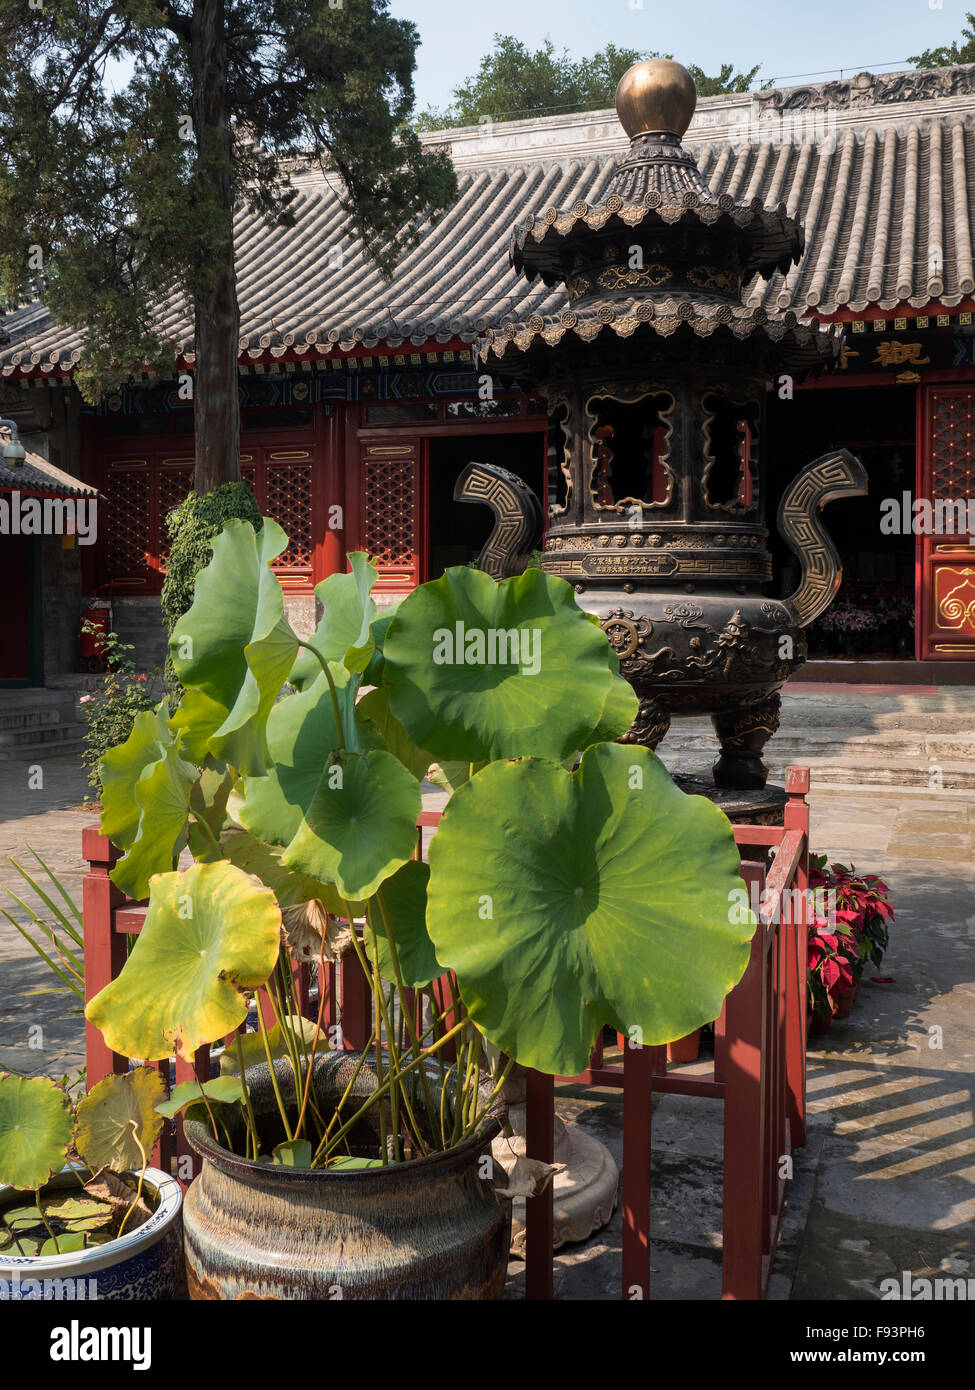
x=759, y=1067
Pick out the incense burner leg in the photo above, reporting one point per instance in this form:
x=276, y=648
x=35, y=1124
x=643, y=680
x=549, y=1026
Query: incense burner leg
x=743, y=732
x=650, y=726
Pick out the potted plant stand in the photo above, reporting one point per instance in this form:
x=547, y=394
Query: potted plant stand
x=429, y=1228
x=145, y=1263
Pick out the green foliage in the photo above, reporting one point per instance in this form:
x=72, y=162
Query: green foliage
x=514, y=83
x=562, y=893
x=958, y=51
x=192, y=527
x=128, y=189
x=113, y=1130
x=61, y=931
x=110, y=711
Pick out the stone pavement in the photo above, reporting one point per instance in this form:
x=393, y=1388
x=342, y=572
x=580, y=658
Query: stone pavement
x=29, y=994
x=887, y=1180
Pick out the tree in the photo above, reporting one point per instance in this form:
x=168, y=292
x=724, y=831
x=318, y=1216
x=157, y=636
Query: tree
x=130, y=132
x=513, y=82
x=949, y=54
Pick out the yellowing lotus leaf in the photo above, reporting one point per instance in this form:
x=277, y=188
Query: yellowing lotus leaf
x=210, y=938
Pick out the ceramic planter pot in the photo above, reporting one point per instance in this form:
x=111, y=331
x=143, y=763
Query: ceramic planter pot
x=429, y=1228
x=685, y=1049
x=145, y=1264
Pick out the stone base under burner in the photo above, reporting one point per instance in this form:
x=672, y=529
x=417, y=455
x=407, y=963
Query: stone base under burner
x=758, y=807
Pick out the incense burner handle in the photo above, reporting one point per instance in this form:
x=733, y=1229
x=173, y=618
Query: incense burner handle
x=837, y=474
x=518, y=520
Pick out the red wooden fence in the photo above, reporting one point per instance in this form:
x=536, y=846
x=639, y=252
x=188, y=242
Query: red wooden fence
x=759, y=1068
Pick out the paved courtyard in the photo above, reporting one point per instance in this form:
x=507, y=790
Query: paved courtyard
x=887, y=1180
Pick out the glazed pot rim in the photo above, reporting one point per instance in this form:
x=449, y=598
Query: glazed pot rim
x=170, y=1200
x=201, y=1140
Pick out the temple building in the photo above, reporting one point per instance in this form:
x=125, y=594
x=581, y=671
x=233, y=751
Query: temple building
x=362, y=400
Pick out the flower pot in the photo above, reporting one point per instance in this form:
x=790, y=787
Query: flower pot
x=845, y=1001
x=428, y=1228
x=143, y=1264
x=821, y=1022
x=685, y=1049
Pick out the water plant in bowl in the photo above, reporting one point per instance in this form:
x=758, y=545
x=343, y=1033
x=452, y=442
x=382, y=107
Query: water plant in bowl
x=570, y=885
x=79, y=1201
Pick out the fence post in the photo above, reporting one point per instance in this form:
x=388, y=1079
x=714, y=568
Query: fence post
x=797, y=818
x=639, y=1065
x=104, y=947
x=540, y=1210
x=745, y=1122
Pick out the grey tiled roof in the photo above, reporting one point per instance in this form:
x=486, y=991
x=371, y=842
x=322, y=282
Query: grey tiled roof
x=36, y=475
x=887, y=203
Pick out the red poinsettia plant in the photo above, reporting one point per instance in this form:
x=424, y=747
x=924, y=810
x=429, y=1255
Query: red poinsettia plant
x=856, y=930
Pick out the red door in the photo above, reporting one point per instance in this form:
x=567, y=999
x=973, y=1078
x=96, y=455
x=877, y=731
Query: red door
x=946, y=562
x=15, y=616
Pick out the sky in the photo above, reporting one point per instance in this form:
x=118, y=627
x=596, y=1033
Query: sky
x=790, y=38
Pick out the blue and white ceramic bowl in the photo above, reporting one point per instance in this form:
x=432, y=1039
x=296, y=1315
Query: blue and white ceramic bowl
x=144, y=1264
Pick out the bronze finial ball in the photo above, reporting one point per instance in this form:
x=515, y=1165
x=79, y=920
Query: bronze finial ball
x=656, y=95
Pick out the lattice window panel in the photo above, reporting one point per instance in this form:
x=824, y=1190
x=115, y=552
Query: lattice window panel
x=288, y=493
x=390, y=511
x=174, y=484
x=953, y=450
x=127, y=539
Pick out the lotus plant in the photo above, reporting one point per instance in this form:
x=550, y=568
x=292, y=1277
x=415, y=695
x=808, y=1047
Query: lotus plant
x=107, y=1136
x=570, y=884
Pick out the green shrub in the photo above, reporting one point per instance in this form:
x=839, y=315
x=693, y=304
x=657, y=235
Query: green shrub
x=110, y=712
x=192, y=526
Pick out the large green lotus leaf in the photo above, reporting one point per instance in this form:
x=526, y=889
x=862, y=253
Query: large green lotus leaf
x=122, y=767
x=208, y=803
x=35, y=1130
x=290, y=888
x=373, y=673
x=402, y=904
x=460, y=690
x=375, y=707
x=226, y=1090
x=343, y=632
x=234, y=643
x=565, y=901
x=163, y=792
x=197, y=718
x=116, y=1117
x=619, y=712
x=301, y=737
x=360, y=825
x=210, y=937
x=302, y=1031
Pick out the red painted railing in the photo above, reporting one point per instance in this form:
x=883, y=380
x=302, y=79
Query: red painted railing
x=759, y=1068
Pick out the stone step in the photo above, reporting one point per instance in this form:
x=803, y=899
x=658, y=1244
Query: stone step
x=883, y=745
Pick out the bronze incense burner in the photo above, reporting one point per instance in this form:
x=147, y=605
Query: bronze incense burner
x=655, y=379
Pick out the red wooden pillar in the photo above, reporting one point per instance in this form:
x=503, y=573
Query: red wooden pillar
x=745, y=1172
x=104, y=947
x=328, y=500
x=540, y=1210
x=639, y=1065
x=796, y=969
x=356, y=1005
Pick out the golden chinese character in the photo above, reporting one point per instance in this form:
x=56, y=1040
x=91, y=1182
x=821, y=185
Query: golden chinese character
x=845, y=355
x=894, y=354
